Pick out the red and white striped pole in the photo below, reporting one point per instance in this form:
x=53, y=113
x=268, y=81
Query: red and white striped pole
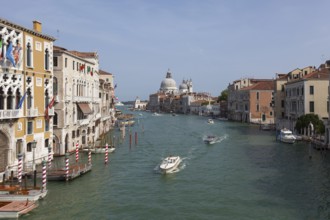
x=49, y=157
x=44, y=176
x=77, y=152
x=20, y=168
x=67, y=166
x=106, y=153
x=89, y=157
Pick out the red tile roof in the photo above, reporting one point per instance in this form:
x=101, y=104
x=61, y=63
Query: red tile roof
x=262, y=85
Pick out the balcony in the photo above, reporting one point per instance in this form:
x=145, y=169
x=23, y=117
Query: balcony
x=83, y=122
x=32, y=112
x=82, y=99
x=9, y=114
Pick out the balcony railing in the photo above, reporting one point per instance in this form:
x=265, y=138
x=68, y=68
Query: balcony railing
x=33, y=112
x=8, y=114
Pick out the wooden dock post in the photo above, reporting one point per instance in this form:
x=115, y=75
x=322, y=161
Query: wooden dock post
x=89, y=157
x=49, y=157
x=67, y=167
x=130, y=140
x=35, y=179
x=106, y=154
x=20, y=168
x=77, y=152
x=44, y=176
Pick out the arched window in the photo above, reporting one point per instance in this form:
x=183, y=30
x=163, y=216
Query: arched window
x=17, y=98
x=2, y=99
x=46, y=98
x=55, y=86
x=28, y=55
x=29, y=98
x=55, y=120
x=10, y=97
x=47, y=59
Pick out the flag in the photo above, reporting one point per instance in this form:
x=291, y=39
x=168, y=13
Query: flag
x=9, y=54
x=19, y=105
x=115, y=85
x=50, y=105
x=46, y=114
x=82, y=67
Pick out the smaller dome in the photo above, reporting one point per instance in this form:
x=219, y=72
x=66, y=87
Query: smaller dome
x=183, y=86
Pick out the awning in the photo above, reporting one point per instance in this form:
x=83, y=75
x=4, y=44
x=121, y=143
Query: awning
x=84, y=107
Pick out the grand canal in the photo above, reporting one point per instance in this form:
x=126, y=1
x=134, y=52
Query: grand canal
x=248, y=175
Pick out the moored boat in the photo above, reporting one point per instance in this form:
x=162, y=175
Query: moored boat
x=286, y=136
x=100, y=150
x=169, y=164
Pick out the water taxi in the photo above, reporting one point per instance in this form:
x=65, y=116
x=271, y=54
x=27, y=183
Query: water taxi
x=286, y=136
x=169, y=164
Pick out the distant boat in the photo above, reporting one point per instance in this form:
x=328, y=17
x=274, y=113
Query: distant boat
x=119, y=104
x=210, y=121
x=211, y=139
x=169, y=164
x=155, y=114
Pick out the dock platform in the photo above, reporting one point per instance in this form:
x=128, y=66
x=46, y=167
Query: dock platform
x=74, y=172
x=13, y=209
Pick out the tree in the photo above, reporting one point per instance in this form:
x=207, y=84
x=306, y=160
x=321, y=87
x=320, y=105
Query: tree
x=304, y=120
x=223, y=96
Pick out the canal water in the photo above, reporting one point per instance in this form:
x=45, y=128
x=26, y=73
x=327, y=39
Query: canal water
x=246, y=175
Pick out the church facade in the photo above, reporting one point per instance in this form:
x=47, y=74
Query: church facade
x=169, y=98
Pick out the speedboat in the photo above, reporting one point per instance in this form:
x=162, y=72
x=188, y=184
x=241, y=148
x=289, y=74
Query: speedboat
x=210, y=121
x=286, y=136
x=211, y=139
x=169, y=164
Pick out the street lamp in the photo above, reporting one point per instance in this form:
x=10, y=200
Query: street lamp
x=34, y=145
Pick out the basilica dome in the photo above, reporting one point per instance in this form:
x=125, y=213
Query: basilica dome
x=168, y=84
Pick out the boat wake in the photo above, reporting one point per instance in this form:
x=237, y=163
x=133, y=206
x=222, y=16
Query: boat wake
x=216, y=139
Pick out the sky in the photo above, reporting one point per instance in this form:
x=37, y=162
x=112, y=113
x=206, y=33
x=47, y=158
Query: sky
x=212, y=42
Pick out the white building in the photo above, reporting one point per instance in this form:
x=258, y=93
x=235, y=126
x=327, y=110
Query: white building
x=76, y=86
x=139, y=105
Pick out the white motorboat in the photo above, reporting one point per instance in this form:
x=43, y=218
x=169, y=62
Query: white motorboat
x=210, y=121
x=169, y=164
x=286, y=136
x=211, y=139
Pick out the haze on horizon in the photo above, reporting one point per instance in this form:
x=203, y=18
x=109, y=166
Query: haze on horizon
x=212, y=42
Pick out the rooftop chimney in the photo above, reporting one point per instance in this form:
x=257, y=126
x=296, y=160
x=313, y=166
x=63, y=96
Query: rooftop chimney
x=37, y=26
